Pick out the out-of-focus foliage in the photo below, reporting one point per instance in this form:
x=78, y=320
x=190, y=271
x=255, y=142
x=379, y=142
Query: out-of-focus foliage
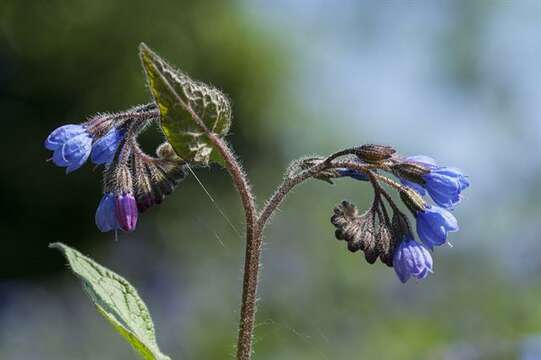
x=458, y=80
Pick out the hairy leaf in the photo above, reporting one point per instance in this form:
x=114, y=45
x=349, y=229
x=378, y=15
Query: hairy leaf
x=117, y=301
x=177, y=95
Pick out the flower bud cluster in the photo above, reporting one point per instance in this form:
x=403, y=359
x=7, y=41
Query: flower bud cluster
x=367, y=232
x=133, y=180
x=421, y=180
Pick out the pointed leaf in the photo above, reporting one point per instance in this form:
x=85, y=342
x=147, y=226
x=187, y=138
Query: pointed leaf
x=176, y=93
x=117, y=301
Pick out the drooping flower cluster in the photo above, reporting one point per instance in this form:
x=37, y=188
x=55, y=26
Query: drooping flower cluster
x=420, y=177
x=133, y=180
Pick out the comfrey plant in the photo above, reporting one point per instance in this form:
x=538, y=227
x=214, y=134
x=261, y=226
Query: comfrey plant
x=195, y=118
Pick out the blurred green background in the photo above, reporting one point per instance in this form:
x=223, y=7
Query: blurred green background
x=456, y=80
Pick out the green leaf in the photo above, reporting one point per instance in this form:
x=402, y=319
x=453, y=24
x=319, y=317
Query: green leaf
x=117, y=301
x=176, y=93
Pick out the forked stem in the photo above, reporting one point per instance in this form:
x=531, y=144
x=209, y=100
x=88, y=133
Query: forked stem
x=255, y=224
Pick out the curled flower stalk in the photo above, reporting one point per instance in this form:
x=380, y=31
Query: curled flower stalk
x=195, y=118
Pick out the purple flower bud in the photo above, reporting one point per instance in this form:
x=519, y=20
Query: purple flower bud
x=126, y=211
x=106, y=213
x=411, y=259
x=145, y=201
x=104, y=149
x=71, y=145
x=433, y=224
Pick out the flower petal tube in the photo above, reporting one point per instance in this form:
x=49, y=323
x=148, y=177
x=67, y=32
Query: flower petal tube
x=71, y=145
x=104, y=149
x=106, y=213
x=443, y=184
x=60, y=135
x=433, y=224
x=411, y=259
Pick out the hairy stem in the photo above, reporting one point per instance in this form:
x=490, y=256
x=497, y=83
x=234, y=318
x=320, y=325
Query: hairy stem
x=253, y=236
x=282, y=191
x=377, y=187
x=255, y=224
x=290, y=182
x=252, y=253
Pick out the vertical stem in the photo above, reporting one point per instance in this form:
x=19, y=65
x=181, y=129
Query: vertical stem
x=255, y=224
x=254, y=230
x=252, y=254
x=249, y=295
x=253, y=239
